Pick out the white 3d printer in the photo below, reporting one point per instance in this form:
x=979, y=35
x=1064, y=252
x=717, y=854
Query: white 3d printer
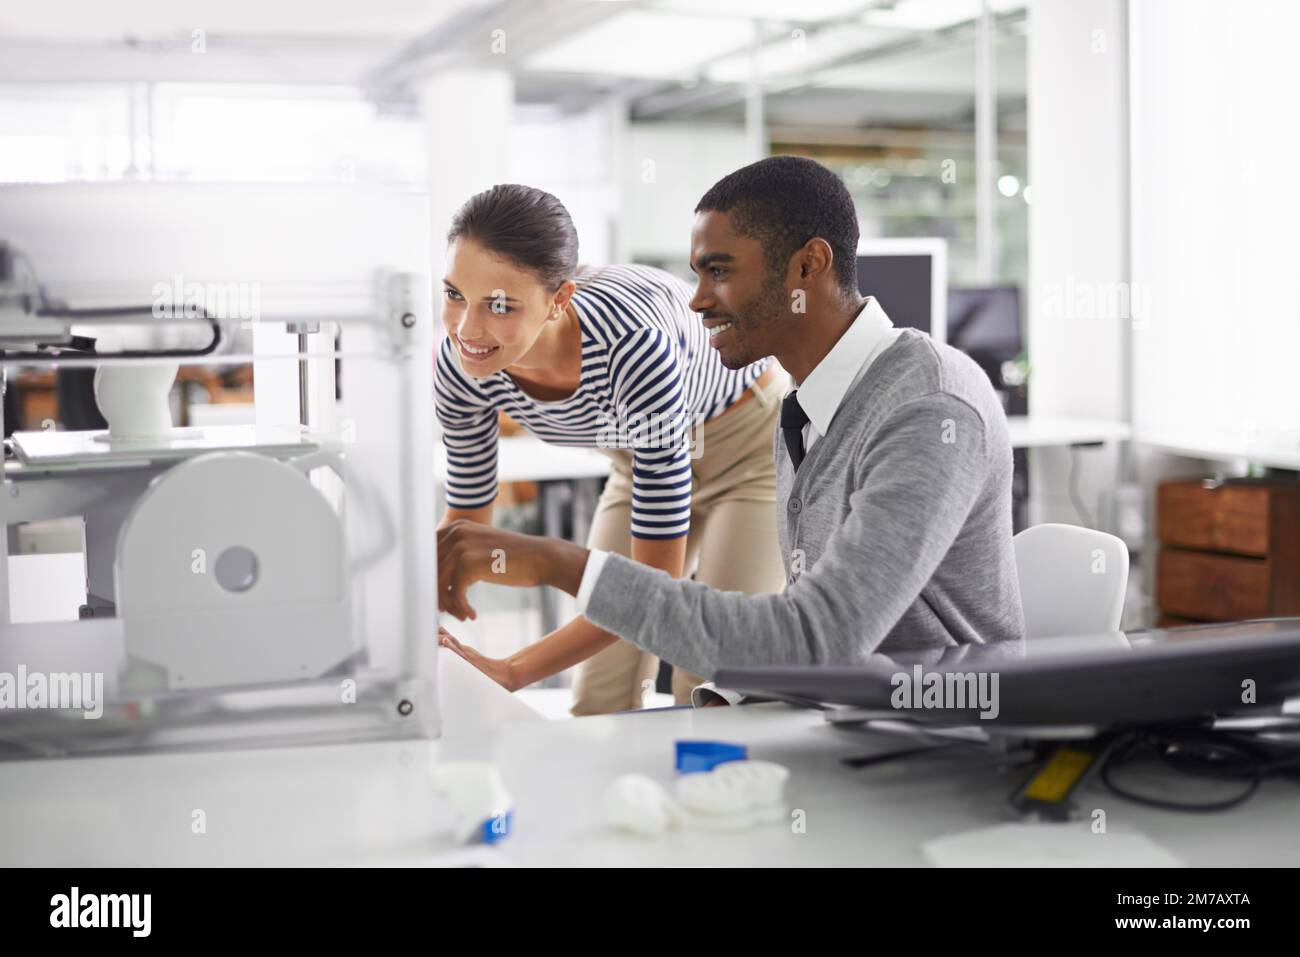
x=259, y=583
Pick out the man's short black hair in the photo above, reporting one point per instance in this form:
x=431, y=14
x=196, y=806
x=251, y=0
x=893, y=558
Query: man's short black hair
x=784, y=201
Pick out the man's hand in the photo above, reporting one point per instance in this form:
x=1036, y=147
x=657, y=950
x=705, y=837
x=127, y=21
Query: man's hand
x=470, y=552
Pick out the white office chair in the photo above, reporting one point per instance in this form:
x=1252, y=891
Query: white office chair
x=1072, y=580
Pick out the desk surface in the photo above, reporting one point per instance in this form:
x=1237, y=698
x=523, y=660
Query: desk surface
x=525, y=458
x=1033, y=431
x=1274, y=449
x=375, y=803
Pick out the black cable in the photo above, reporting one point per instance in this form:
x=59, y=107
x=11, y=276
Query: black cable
x=1261, y=761
x=1222, y=755
x=1123, y=752
x=49, y=310
x=67, y=313
x=1199, y=751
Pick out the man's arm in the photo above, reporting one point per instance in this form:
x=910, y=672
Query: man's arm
x=578, y=640
x=901, y=522
x=900, y=525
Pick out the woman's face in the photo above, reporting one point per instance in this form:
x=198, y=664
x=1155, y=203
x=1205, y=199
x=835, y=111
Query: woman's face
x=494, y=310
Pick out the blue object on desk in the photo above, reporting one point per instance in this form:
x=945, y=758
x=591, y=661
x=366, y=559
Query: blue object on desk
x=497, y=827
x=695, y=756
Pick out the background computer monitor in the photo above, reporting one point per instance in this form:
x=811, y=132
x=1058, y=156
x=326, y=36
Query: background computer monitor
x=984, y=323
x=909, y=278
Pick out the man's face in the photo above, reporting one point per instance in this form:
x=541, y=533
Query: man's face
x=744, y=304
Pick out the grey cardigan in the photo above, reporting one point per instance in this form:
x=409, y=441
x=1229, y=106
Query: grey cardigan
x=895, y=533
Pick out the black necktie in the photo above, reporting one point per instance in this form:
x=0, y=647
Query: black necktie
x=793, y=419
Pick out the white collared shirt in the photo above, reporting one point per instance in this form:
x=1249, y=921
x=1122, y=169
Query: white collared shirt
x=824, y=389
x=820, y=395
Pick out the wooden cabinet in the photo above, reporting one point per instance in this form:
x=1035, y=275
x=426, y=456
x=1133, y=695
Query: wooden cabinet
x=1227, y=552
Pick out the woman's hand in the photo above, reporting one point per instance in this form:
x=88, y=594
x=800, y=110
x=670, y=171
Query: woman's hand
x=498, y=669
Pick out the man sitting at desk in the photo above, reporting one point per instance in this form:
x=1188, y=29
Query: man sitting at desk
x=893, y=463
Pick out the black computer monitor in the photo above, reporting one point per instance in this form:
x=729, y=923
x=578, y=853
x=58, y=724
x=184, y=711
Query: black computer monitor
x=1099, y=680
x=904, y=283
x=985, y=321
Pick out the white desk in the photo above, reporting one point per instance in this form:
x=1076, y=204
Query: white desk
x=525, y=458
x=375, y=803
x=1037, y=431
x=1279, y=450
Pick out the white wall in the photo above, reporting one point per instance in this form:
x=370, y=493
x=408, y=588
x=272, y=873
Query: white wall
x=1215, y=208
x=630, y=187
x=133, y=234
x=1183, y=206
x=1077, y=228
x=468, y=117
x=665, y=170
x=572, y=157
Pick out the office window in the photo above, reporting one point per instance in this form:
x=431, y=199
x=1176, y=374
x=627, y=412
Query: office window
x=54, y=133
x=178, y=132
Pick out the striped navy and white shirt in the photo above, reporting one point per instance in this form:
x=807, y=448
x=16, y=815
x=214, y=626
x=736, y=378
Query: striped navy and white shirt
x=648, y=375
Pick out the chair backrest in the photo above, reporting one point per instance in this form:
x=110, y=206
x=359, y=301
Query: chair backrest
x=1072, y=580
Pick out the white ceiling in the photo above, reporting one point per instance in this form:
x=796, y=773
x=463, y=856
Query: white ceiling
x=644, y=43
x=113, y=19
x=943, y=69
x=560, y=45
